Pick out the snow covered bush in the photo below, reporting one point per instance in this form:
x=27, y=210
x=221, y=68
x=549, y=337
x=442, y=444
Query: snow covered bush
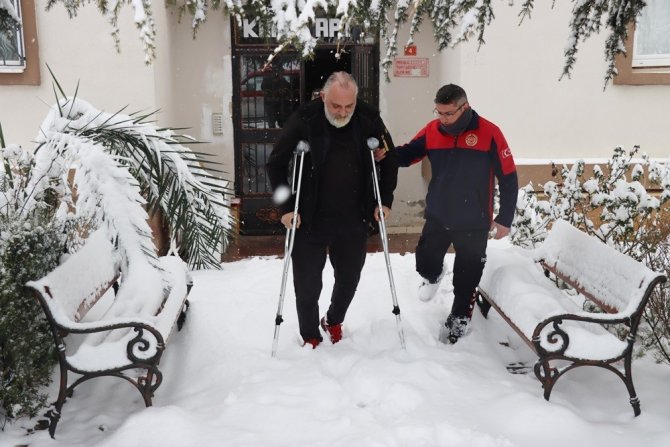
x=31, y=243
x=28, y=249
x=614, y=206
x=655, y=334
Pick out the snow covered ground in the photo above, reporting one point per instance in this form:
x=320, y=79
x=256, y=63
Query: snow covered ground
x=222, y=388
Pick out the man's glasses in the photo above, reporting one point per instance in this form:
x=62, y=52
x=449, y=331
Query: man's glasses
x=448, y=114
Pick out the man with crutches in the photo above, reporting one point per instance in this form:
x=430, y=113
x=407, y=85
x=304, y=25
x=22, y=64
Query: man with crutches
x=337, y=204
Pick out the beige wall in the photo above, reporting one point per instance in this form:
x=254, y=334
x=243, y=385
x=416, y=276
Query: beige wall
x=513, y=80
x=194, y=81
x=406, y=104
x=189, y=80
x=78, y=50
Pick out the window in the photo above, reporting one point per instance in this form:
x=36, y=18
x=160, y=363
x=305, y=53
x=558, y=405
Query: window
x=647, y=59
x=28, y=71
x=652, y=35
x=12, y=50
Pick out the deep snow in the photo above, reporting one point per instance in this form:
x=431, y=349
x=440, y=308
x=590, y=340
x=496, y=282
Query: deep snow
x=222, y=388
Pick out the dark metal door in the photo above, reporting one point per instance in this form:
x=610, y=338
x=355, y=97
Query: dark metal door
x=365, y=69
x=265, y=97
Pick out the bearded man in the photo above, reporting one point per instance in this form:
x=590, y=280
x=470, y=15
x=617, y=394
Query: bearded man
x=337, y=204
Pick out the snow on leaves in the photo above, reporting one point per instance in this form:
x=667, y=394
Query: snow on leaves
x=453, y=21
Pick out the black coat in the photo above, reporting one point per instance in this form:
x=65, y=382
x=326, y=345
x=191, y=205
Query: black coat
x=309, y=123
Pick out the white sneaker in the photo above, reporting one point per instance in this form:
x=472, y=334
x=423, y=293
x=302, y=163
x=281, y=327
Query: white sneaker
x=427, y=290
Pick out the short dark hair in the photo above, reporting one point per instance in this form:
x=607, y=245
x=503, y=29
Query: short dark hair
x=450, y=94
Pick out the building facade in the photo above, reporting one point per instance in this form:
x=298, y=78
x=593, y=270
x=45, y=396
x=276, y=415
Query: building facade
x=216, y=85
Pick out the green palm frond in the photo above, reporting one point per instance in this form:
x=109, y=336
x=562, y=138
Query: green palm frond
x=171, y=177
x=189, y=204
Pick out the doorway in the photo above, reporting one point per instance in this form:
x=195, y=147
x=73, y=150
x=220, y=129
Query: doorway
x=317, y=70
x=257, y=120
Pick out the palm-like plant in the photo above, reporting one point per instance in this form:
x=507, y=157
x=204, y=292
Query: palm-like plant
x=89, y=170
x=124, y=163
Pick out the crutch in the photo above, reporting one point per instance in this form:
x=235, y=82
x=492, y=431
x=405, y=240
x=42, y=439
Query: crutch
x=301, y=149
x=373, y=144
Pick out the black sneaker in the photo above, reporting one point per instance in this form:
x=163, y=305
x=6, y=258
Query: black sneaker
x=454, y=328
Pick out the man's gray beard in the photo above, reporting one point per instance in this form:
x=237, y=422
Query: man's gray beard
x=337, y=122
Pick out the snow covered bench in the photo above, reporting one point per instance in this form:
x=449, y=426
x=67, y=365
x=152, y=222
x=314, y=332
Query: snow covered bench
x=124, y=335
x=517, y=284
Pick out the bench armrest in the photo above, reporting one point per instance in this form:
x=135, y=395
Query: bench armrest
x=145, y=346
x=110, y=325
x=557, y=340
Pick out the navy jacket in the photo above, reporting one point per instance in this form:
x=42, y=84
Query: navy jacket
x=464, y=169
x=309, y=123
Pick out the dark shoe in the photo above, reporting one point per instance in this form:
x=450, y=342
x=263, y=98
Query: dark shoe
x=312, y=341
x=454, y=328
x=334, y=331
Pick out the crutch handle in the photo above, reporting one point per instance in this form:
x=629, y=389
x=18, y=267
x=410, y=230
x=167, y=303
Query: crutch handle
x=302, y=147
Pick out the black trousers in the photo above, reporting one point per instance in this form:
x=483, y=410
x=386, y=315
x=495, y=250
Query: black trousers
x=470, y=248
x=345, y=245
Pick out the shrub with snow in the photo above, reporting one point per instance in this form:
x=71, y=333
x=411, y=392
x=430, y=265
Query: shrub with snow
x=31, y=243
x=28, y=249
x=614, y=206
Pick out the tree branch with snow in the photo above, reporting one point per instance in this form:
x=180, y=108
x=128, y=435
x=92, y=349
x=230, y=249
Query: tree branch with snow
x=290, y=22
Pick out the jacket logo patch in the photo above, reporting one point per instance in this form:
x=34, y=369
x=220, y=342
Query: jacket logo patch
x=506, y=153
x=471, y=139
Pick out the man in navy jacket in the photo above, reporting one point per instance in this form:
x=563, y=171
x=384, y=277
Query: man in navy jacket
x=467, y=154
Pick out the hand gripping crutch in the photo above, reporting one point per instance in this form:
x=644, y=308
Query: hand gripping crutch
x=301, y=149
x=373, y=144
